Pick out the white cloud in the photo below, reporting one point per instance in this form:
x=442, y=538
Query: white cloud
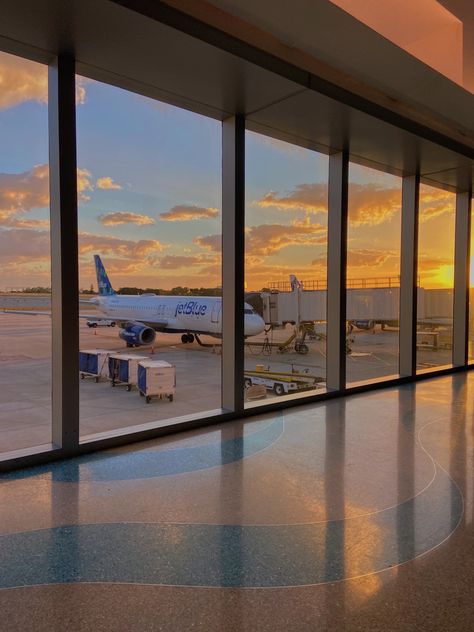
x=184, y=213
x=125, y=217
x=107, y=183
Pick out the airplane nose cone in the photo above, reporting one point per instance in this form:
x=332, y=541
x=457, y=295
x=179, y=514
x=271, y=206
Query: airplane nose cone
x=254, y=324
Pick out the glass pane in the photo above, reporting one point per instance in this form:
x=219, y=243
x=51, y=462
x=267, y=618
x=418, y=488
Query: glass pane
x=373, y=274
x=25, y=339
x=285, y=269
x=434, y=335
x=149, y=259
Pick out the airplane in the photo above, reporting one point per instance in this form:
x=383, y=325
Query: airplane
x=141, y=316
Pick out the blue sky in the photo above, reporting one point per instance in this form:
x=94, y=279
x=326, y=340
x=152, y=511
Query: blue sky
x=142, y=163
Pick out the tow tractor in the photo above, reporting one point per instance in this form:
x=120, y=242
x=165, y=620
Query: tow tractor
x=281, y=382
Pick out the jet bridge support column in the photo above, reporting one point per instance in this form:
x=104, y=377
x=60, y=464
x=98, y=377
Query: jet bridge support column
x=233, y=245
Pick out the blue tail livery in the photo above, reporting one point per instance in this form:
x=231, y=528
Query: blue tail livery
x=103, y=283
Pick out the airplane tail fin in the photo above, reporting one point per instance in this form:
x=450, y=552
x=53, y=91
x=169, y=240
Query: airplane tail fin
x=294, y=283
x=103, y=283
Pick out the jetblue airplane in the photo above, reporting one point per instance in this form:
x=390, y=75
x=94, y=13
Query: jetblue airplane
x=141, y=316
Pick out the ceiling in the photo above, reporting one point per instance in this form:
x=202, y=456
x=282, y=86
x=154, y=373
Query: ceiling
x=184, y=62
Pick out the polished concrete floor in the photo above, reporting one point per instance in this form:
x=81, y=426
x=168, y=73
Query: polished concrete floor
x=354, y=514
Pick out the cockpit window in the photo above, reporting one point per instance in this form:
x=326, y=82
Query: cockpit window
x=248, y=311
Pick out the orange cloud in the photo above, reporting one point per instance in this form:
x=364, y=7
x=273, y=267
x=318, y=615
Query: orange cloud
x=373, y=204
x=22, y=192
x=107, y=183
x=435, y=202
x=175, y=262
x=369, y=204
x=23, y=246
x=125, y=217
x=7, y=220
x=127, y=248
x=185, y=213
x=267, y=239
x=358, y=258
x=24, y=80
x=308, y=197
x=83, y=184
x=428, y=262
x=209, y=242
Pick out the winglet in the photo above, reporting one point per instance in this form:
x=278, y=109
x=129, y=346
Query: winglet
x=103, y=283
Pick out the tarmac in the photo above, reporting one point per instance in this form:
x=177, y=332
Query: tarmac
x=25, y=374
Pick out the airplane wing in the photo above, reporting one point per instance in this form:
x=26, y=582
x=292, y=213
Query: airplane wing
x=31, y=312
x=155, y=324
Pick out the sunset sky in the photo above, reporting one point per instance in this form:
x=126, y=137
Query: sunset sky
x=150, y=197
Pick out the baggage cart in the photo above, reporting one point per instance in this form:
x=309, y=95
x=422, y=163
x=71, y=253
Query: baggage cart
x=93, y=363
x=123, y=369
x=156, y=378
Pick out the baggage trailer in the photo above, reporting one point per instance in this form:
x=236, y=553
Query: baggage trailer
x=93, y=363
x=156, y=378
x=281, y=382
x=123, y=369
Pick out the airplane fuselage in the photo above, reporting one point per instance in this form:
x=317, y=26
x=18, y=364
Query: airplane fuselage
x=174, y=314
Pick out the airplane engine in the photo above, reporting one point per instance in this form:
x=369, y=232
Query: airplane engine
x=136, y=334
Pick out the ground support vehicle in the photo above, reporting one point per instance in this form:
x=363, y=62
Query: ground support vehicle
x=103, y=322
x=281, y=382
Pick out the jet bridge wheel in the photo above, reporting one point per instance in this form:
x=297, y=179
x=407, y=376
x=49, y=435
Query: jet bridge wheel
x=301, y=348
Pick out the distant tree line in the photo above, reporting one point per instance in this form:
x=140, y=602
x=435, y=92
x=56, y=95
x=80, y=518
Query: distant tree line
x=176, y=291
x=34, y=290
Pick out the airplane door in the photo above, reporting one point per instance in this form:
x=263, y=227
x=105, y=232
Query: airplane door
x=216, y=312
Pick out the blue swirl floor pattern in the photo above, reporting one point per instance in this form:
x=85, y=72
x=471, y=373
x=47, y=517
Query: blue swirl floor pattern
x=231, y=555
x=152, y=463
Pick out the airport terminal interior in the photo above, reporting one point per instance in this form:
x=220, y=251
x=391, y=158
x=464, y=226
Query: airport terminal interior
x=236, y=315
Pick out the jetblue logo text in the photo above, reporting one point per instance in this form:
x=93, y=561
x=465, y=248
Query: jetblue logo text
x=192, y=308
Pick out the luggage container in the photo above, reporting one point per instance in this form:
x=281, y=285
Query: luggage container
x=93, y=363
x=156, y=378
x=123, y=369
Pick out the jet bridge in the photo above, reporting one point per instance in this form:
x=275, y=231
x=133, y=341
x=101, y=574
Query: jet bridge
x=369, y=301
